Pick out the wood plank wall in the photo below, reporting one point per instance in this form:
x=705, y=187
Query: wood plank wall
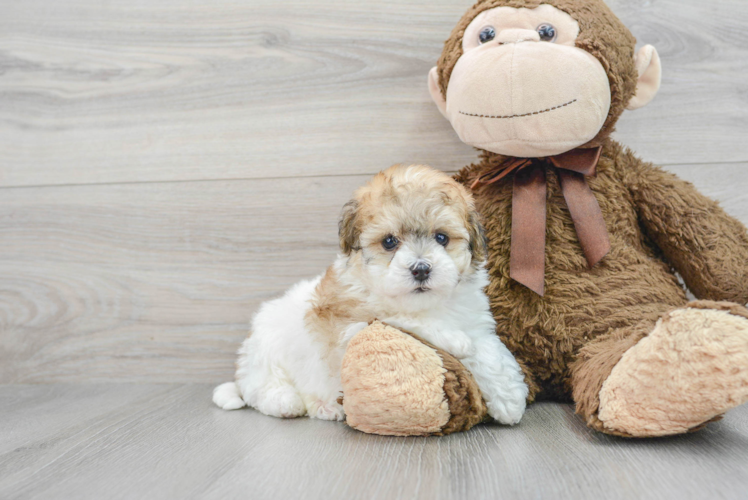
x=166, y=166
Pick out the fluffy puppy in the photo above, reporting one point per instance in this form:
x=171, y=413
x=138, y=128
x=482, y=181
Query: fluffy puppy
x=413, y=255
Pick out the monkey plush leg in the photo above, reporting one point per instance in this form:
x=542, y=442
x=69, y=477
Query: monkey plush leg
x=395, y=384
x=593, y=365
x=691, y=368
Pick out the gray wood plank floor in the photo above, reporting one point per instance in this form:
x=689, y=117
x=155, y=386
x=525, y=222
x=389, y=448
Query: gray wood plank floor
x=165, y=166
x=168, y=441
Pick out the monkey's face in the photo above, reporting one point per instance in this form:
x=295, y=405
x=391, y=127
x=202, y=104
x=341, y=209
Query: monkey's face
x=522, y=87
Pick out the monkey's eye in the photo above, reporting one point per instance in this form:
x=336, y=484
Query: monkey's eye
x=547, y=32
x=487, y=34
x=442, y=239
x=389, y=242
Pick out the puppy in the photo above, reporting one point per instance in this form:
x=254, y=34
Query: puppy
x=413, y=255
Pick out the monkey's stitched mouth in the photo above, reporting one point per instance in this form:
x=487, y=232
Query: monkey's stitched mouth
x=519, y=116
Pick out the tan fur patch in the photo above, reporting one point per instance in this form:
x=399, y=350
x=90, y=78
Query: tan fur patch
x=393, y=384
x=333, y=309
x=691, y=368
x=412, y=199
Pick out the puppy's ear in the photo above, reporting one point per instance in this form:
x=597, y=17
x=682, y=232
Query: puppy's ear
x=478, y=240
x=348, y=228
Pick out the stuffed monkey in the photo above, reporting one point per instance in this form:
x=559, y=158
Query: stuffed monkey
x=584, y=238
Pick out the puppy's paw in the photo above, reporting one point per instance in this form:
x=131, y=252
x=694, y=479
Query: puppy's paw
x=330, y=410
x=507, y=403
x=282, y=402
x=227, y=396
x=457, y=343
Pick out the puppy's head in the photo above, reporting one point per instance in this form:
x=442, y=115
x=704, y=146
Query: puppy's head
x=414, y=232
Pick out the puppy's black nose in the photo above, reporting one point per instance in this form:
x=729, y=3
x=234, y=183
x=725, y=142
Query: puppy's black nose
x=421, y=271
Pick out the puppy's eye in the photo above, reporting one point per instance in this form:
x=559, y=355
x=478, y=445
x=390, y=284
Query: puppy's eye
x=487, y=34
x=442, y=239
x=547, y=32
x=390, y=242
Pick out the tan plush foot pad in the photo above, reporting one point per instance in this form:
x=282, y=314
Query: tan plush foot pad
x=394, y=384
x=690, y=369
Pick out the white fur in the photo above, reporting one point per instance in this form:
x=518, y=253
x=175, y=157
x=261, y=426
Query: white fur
x=464, y=327
x=281, y=371
x=284, y=371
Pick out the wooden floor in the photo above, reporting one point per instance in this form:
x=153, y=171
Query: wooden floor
x=167, y=165
x=168, y=441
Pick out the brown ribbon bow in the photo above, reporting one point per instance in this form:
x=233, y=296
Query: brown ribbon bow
x=527, y=258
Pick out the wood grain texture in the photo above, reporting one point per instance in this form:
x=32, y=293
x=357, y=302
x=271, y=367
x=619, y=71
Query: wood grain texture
x=168, y=441
x=157, y=282
x=107, y=92
x=167, y=166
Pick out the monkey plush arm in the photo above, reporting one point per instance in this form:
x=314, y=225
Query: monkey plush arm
x=705, y=245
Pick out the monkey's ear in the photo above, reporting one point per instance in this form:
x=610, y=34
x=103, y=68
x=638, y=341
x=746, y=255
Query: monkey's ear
x=478, y=240
x=348, y=228
x=436, y=93
x=650, y=73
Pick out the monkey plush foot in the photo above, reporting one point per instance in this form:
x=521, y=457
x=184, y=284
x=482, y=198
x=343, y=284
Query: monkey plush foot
x=690, y=369
x=395, y=384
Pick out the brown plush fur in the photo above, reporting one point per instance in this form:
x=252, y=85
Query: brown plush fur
x=691, y=368
x=596, y=327
x=593, y=366
x=569, y=340
x=466, y=405
x=400, y=385
x=601, y=34
x=731, y=307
